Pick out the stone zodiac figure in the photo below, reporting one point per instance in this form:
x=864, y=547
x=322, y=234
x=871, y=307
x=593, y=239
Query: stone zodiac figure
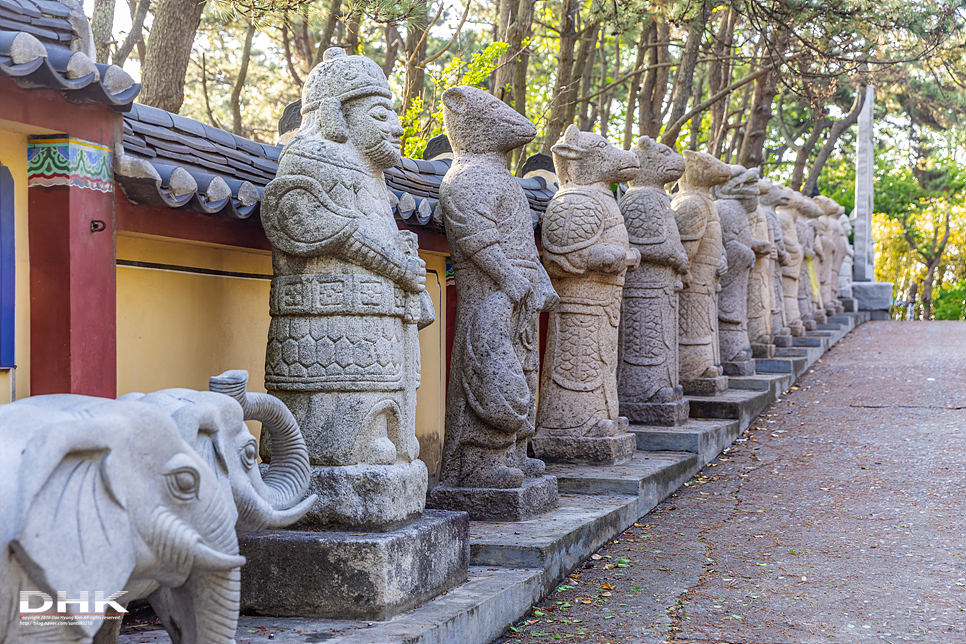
x=586, y=252
x=501, y=287
x=808, y=292
x=647, y=372
x=791, y=272
x=347, y=299
x=772, y=197
x=700, y=228
x=736, y=199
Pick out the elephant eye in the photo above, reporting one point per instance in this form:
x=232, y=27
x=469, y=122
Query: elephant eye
x=249, y=455
x=183, y=484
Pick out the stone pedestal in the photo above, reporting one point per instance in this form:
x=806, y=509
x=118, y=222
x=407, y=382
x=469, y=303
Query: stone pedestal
x=605, y=450
x=666, y=414
x=782, y=340
x=763, y=351
x=535, y=496
x=849, y=305
x=354, y=576
x=366, y=497
x=819, y=316
x=739, y=367
x=705, y=386
x=872, y=296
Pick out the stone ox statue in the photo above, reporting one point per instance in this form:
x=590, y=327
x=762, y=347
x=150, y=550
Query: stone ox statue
x=586, y=252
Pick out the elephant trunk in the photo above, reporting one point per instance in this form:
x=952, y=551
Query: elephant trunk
x=286, y=479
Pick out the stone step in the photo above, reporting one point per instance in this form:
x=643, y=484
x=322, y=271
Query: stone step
x=738, y=404
x=703, y=437
x=647, y=474
x=792, y=366
x=777, y=383
x=828, y=327
x=811, y=341
x=556, y=541
x=475, y=612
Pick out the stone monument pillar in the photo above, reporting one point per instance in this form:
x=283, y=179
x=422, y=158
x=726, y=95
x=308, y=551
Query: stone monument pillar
x=347, y=299
x=736, y=199
x=864, y=262
x=772, y=197
x=700, y=229
x=587, y=254
x=501, y=289
x=791, y=272
x=647, y=372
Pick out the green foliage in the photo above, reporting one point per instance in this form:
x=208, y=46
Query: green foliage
x=950, y=304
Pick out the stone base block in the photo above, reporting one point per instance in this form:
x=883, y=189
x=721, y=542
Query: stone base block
x=880, y=316
x=705, y=386
x=706, y=438
x=635, y=477
x=759, y=350
x=782, y=340
x=735, y=404
x=850, y=305
x=808, y=325
x=797, y=328
x=354, y=576
x=872, y=296
x=536, y=496
x=819, y=317
x=739, y=367
x=370, y=498
x=664, y=414
x=790, y=365
x=607, y=450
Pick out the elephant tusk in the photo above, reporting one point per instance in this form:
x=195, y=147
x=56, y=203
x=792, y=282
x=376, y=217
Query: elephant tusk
x=282, y=518
x=209, y=559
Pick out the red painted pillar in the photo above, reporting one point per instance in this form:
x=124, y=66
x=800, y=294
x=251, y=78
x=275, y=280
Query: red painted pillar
x=73, y=297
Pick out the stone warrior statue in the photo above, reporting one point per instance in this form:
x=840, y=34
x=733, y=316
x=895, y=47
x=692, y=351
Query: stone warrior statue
x=736, y=199
x=772, y=197
x=787, y=213
x=586, y=252
x=501, y=288
x=647, y=365
x=347, y=299
x=700, y=228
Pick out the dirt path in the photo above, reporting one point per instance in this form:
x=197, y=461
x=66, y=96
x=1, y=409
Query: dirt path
x=840, y=516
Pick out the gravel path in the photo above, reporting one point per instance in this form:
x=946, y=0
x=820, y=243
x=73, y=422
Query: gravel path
x=840, y=516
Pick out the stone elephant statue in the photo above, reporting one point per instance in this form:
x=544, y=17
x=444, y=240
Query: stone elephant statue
x=213, y=422
x=101, y=496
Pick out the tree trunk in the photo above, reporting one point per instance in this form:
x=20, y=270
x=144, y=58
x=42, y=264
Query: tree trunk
x=168, y=52
x=766, y=88
x=415, y=53
x=287, y=48
x=557, y=120
x=331, y=24
x=236, y=117
x=392, y=49
x=516, y=19
x=634, y=88
x=352, y=33
x=654, y=88
x=136, y=36
x=927, y=289
x=833, y=136
x=819, y=123
x=684, y=76
x=696, y=119
x=719, y=77
x=588, y=51
x=102, y=24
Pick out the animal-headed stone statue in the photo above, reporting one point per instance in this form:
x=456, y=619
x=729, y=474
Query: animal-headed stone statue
x=791, y=272
x=808, y=283
x=761, y=294
x=845, y=271
x=501, y=288
x=736, y=199
x=586, y=252
x=347, y=299
x=700, y=229
x=647, y=369
x=772, y=197
x=836, y=240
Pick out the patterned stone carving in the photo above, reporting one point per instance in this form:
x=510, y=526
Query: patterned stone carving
x=647, y=372
x=347, y=299
x=700, y=229
x=501, y=289
x=587, y=254
x=791, y=272
x=772, y=197
x=737, y=200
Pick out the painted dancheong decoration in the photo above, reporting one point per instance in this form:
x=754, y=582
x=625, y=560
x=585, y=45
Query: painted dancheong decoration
x=587, y=255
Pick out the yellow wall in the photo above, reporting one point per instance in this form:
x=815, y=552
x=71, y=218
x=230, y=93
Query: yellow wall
x=13, y=154
x=176, y=328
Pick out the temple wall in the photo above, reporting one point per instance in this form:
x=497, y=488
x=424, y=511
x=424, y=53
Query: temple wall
x=13, y=155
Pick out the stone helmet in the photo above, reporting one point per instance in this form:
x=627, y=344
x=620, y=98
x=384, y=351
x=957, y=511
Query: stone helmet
x=338, y=79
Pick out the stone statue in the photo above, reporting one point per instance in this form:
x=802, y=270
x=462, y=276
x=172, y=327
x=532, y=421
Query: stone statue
x=736, y=200
x=845, y=271
x=347, y=299
x=761, y=292
x=772, y=197
x=835, y=239
x=105, y=501
x=808, y=284
x=791, y=272
x=501, y=288
x=587, y=254
x=700, y=229
x=647, y=372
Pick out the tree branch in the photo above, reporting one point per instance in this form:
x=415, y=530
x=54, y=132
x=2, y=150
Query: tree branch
x=452, y=40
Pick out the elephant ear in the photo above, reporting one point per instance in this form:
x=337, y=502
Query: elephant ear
x=76, y=534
